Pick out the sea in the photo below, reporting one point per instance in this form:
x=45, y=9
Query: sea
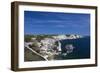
x=81, y=48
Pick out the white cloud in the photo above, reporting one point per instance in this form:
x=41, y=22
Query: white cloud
x=61, y=26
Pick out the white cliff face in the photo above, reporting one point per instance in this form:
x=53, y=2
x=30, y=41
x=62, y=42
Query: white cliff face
x=47, y=41
x=59, y=46
x=62, y=37
x=75, y=36
x=47, y=44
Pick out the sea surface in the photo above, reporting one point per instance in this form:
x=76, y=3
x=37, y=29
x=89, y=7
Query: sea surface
x=81, y=48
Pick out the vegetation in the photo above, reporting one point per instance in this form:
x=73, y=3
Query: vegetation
x=30, y=56
x=28, y=38
x=50, y=45
x=35, y=47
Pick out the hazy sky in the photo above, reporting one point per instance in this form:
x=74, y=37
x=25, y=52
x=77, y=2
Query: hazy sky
x=56, y=23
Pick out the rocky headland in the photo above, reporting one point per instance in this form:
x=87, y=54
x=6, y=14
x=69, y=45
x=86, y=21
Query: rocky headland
x=47, y=47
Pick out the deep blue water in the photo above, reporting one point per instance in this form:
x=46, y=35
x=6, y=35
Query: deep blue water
x=81, y=48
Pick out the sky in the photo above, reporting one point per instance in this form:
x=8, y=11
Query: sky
x=36, y=22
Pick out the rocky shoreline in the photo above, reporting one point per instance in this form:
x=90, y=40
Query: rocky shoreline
x=48, y=47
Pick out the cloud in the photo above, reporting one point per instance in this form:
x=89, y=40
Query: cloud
x=49, y=21
x=60, y=26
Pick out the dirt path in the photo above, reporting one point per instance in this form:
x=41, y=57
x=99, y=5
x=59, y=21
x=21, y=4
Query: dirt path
x=26, y=45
